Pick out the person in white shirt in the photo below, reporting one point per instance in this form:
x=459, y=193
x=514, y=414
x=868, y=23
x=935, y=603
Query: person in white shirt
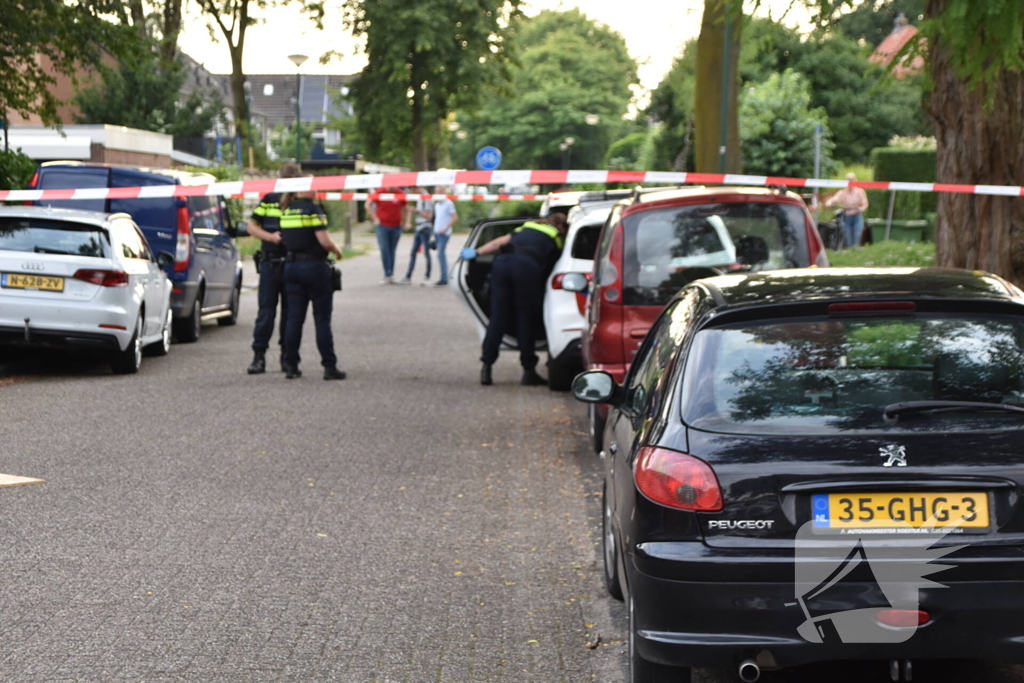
x=445, y=217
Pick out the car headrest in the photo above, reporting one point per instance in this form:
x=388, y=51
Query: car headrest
x=751, y=250
x=960, y=378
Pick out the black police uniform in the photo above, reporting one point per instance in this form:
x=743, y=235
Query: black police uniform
x=307, y=277
x=518, y=276
x=271, y=270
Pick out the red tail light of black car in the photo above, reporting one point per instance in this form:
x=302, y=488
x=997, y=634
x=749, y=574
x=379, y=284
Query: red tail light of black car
x=677, y=480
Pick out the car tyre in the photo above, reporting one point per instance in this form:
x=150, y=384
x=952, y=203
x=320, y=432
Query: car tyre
x=127, y=362
x=560, y=377
x=187, y=330
x=163, y=347
x=236, y=297
x=596, y=426
x=643, y=671
x=610, y=548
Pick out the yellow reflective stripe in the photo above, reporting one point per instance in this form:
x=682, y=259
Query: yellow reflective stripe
x=302, y=220
x=548, y=230
x=270, y=210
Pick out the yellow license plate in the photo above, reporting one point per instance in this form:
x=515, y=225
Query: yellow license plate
x=892, y=510
x=46, y=283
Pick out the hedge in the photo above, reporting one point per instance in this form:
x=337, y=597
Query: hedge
x=904, y=165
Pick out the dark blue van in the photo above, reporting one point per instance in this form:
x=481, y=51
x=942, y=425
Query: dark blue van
x=206, y=275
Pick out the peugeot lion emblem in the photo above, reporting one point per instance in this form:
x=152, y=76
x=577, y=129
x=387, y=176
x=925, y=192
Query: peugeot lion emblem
x=897, y=455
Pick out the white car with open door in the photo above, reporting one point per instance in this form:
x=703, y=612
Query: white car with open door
x=563, y=308
x=82, y=280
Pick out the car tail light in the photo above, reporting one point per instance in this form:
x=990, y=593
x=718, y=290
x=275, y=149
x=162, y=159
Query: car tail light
x=873, y=307
x=677, y=480
x=556, y=281
x=904, y=618
x=35, y=180
x=103, y=278
x=183, y=248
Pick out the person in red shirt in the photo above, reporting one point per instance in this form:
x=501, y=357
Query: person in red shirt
x=389, y=216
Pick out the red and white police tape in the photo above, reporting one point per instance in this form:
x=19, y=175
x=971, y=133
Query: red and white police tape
x=378, y=181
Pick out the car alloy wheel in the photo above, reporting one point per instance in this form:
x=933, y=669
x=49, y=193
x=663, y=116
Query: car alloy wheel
x=187, y=330
x=611, y=551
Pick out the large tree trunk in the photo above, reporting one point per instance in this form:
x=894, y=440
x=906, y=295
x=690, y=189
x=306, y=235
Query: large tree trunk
x=241, y=107
x=708, y=88
x=172, y=27
x=978, y=145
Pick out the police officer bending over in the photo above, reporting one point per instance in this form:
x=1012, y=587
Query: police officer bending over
x=518, y=276
x=265, y=224
x=307, y=278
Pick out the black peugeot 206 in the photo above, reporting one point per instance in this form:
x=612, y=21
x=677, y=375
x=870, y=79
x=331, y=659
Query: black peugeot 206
x=790, y=453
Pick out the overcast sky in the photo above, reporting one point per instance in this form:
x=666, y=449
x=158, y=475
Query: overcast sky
x=655, y=31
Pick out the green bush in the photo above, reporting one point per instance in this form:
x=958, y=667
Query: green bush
x=512, y=209
x=906, y=165
x=16, y=169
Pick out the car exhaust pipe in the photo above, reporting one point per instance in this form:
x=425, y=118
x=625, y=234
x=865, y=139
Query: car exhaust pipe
x=749, y=671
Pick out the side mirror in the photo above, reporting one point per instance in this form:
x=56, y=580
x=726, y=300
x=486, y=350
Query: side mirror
x=240, y=229
x=164, y=259
x=596, y=386
x=574, y=282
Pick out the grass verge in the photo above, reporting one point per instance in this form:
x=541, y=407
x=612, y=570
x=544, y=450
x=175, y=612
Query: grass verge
x=909, y=254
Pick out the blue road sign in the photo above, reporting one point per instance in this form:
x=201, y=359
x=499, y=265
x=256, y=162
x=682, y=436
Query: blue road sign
x=488, y=158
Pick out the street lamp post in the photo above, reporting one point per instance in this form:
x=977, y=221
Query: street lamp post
x=298, y=61
x=592, y=120
x=566, y=148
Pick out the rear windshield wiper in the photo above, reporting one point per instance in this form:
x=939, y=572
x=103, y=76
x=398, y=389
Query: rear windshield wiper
x=45, y=250
x=892, y=412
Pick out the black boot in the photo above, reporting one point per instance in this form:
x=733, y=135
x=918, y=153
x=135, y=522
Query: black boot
x=332, y=372
x=532, y=379
x=284, y=366
x=259, y=362
x=485, y=375
x=292, y=372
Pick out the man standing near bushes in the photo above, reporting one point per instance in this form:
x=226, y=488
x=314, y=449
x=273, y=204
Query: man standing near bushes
x=444, y=223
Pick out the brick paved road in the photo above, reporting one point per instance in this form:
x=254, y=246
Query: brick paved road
x=404, y=525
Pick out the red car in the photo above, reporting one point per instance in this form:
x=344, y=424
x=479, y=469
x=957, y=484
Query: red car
x=657, y=241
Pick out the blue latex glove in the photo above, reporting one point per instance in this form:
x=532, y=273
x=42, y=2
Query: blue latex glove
x=467, y=254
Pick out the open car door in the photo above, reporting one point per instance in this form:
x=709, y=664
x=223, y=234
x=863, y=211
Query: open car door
x=472, y=279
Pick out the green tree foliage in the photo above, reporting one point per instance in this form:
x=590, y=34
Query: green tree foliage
x=68, y=35
x=865, y=105
x=425, y=59
x=569, y=67
x=624, y=153
x=777, y=125
x=873, y=20
x=143, y=92
x=282, y=139
x=16, y=169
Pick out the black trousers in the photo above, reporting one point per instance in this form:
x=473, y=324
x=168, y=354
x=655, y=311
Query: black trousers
x=309, y=282
x=271, y=291
x=517, y=298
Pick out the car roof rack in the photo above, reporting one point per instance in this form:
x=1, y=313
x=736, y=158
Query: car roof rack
x=604, y=195
x=639, y=189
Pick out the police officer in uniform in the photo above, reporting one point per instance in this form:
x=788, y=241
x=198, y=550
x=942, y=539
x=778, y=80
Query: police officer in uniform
x=518, y=276
x=307, y=277
x=265, y=223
